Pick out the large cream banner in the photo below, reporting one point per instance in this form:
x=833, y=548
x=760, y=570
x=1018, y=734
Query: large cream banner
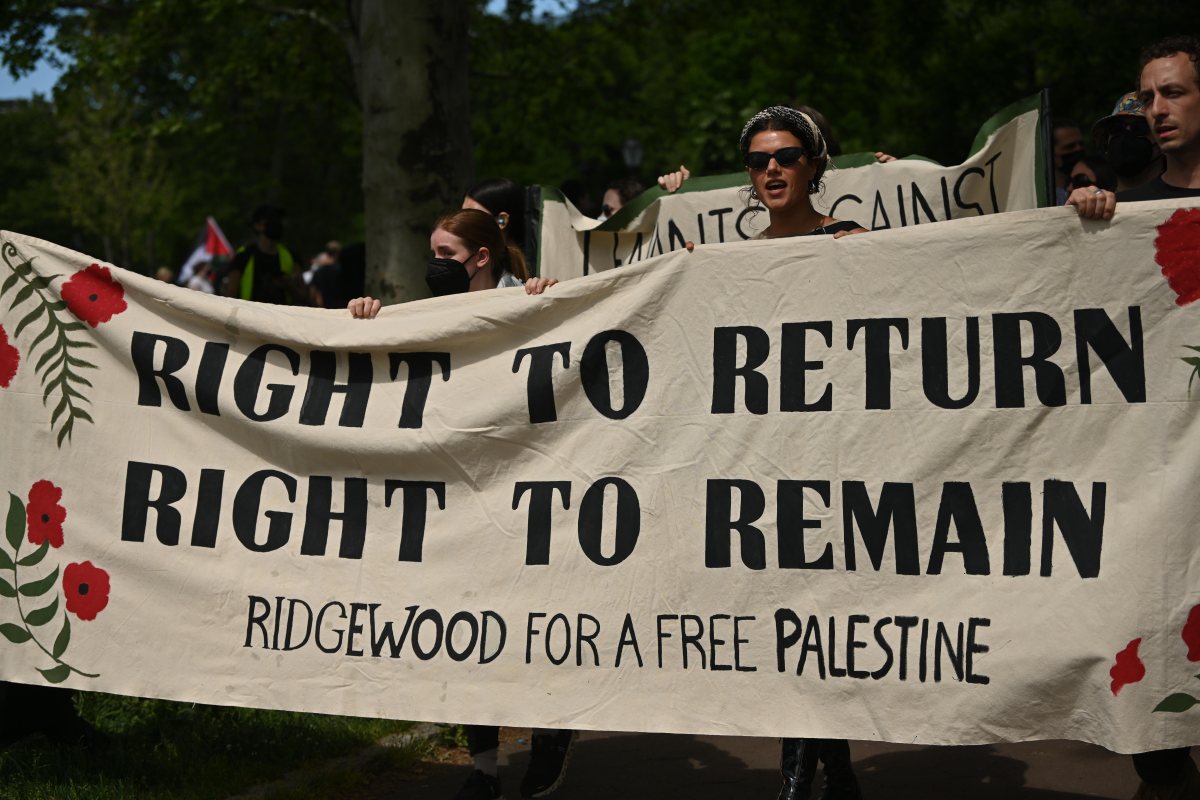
x=934, y=484
x=1005, y=172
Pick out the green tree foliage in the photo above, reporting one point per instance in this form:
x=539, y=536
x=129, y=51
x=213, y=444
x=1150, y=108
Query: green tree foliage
x=29, y=131
x=554, y=98
x=250, y=101
x=113, y=182
x=243, y=104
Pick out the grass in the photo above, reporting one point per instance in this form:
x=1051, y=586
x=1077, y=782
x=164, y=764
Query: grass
x=159, y=750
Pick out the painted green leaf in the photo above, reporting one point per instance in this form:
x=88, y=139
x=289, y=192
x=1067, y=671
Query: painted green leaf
x=1192, y=347
x=6, y=589
x=23, y=269
x=50, y=328
x=39, y=587
x=23, y=295
x=1177, y=703
x=1193, y=360
x=14, y=633
x=84, y=344
x=6, y=561
x=62, y=406
x=41, y=281
x=65, y=433
x=42, y=615
x=14, y=526
x=29, y=319
x=57, y=305
x=46, y=357
x=9, y=283
x=64, y=638
x=50, y=388
x=72, y=326
x=35, y=558
x=81, y=414
x=57, y=674
x=79, y=362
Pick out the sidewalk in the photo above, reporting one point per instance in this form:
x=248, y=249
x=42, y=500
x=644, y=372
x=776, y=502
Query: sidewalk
x=644, y=766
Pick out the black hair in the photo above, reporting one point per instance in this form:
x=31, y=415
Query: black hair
x=1165, y=48
x=265, y=212
x=784, y=118
x=503, y=195
x=626, y=188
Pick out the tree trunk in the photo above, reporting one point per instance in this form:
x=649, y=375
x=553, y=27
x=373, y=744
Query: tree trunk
x=416, y=134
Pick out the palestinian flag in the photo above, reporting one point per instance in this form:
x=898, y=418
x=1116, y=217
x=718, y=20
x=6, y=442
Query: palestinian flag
x=210, y=244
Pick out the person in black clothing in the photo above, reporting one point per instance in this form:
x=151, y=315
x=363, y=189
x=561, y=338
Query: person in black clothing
x=1123, y=137
x=262, y=269
x=1169, y=92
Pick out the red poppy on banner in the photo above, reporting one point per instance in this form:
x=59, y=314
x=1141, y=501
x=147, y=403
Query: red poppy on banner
x=93, y=295
x=86, y=589
x=44, y=514
x=1128, y=667
x=10, y=357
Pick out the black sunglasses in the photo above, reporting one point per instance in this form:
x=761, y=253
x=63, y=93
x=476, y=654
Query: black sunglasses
x=784, y=157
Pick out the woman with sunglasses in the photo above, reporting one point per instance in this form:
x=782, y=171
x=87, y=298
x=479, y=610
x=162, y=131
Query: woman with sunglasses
x=786, y=155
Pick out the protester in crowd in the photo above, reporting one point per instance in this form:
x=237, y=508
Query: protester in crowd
x=505, y=201
x=260, y=270
x=165, y=274
x=1123, y=137
x=1093, y=171
x=470, y=254
x=617, y=194
x=1170, y=95
x=327, y=289
x=672, y=181
x=328, y=255
x=1169, y=91
x=202, y=278
x=785, y=156
x=1067, y=139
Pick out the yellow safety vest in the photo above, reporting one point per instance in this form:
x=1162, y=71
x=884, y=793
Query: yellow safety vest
x=286, y=265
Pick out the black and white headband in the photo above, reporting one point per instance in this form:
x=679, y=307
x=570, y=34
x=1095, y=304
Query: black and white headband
x=792, y=117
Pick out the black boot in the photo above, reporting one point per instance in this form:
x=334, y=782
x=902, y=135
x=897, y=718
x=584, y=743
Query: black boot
x=840, y=783
x=798, y=763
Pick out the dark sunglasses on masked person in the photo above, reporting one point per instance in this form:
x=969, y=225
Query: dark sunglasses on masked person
x=784, y=157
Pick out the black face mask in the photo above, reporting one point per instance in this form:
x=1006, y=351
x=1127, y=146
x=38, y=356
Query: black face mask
x=1069, y=160
x=1130, y=154
x=446, y=276
x=273, y=229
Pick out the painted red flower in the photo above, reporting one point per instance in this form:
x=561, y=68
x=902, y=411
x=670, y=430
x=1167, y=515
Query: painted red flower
x=1128, y=667
x=10, y=357
x=86, y=589
x=1191, y=634
x=93, y=295
x=44, y=514
x=1177, y=251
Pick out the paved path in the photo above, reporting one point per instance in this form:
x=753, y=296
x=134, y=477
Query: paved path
x=605, y=766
